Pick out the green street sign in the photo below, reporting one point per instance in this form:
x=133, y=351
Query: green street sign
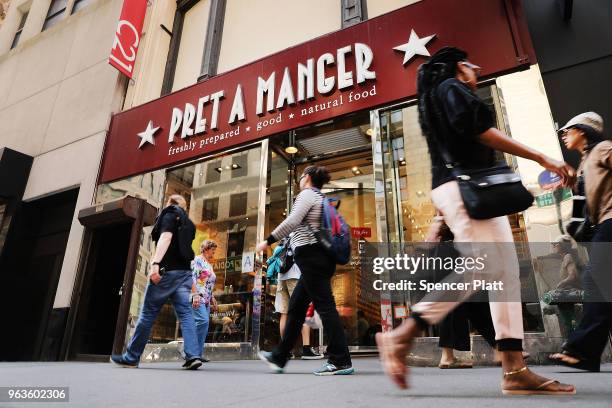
x=546, y=199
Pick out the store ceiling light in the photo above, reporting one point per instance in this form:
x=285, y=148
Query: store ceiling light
x=234, y=166
x=291, y=149
x=370, y=132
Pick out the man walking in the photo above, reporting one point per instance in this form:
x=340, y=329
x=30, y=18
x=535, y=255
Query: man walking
x=170, y=277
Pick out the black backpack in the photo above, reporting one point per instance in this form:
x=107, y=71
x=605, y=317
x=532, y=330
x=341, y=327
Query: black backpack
x=185, y=233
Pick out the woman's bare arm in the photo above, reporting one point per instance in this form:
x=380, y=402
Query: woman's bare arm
x=497, y=140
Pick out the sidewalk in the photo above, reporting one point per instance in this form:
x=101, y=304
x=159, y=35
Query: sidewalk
x=248, y=384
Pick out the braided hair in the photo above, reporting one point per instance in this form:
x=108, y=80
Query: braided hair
x=441, y=66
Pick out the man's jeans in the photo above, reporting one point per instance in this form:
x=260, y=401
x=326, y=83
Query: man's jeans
x=175, y=285
x=202, y=319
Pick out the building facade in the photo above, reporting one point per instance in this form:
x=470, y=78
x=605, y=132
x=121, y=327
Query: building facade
x=235, y=106
x=57, y=93
x=574, y=57
x=228, y=102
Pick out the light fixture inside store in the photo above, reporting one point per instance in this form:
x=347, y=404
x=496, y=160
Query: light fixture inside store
x=356, y=171
x=291, y=149
x=370, y=132
x=234, y=166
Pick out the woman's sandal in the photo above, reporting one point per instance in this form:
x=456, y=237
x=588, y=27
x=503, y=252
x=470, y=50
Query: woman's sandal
x=550, y=387
x=455, y=364
x=582, y=364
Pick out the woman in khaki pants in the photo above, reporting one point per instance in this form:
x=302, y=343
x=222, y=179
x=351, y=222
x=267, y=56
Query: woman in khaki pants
x=449, y=81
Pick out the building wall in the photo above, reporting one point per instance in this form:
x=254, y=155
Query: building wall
x=253, y=30
x=152, y=54
x=378, y=7
x=57, y=93
x=575, y=57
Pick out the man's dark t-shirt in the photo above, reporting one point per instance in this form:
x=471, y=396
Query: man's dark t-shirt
x=466, y=116
x=172, y=260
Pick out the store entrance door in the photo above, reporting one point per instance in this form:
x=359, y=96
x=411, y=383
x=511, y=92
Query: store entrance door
x=352, y=183
x=99, y=316
x=344, y=146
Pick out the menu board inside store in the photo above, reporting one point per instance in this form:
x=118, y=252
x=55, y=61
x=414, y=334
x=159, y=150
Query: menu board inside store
x=361, y=67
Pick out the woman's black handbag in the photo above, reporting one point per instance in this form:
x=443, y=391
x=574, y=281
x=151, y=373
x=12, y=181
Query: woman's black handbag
x=285, y=257
x=492, y=192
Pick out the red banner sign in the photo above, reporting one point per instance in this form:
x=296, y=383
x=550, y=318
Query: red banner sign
x=361, y=67
x=361, y=232
x=127, y=36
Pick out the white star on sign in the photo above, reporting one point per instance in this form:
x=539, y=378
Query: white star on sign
x=147, y=135
x=291, y=115
x=248, y=129
x=415, y=46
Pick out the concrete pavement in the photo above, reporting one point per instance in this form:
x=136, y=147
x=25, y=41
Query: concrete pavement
x=248, y=384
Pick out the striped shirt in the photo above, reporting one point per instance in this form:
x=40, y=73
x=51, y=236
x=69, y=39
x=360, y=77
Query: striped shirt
x=305, y=217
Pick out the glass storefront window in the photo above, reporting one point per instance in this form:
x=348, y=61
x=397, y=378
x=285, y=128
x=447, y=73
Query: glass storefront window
x=344, y=146
x=222, y=196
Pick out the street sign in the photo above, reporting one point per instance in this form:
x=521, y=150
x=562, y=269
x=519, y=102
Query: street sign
x=549, y=180
x=546, y=199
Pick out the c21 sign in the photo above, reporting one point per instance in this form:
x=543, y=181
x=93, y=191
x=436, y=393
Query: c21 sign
x=127, y=36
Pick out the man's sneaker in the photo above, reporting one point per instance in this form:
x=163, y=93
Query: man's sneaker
x=274, y=364
x=309, y=353
x=331, y=369
x=205, y=360
x=119, y=360
x=192, y=364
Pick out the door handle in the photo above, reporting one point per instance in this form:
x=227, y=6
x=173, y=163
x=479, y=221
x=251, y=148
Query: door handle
x=121, y=290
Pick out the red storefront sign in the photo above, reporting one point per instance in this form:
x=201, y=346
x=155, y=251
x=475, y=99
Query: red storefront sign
x=361, y=232
x=361, y=67
x=127, y=36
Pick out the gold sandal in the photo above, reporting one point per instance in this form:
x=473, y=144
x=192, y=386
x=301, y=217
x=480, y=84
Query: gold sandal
x=542, y=389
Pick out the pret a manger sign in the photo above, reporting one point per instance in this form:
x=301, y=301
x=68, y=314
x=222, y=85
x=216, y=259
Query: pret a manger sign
x=364, y=66
x=311, y=81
